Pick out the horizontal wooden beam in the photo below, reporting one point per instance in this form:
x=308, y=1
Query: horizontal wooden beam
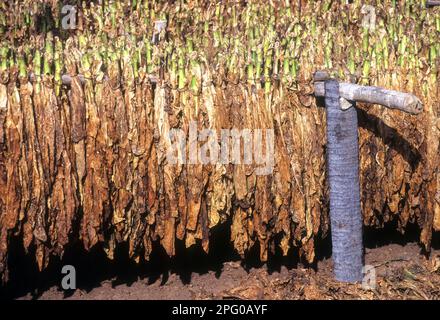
x=406, y=102
x=432, y=3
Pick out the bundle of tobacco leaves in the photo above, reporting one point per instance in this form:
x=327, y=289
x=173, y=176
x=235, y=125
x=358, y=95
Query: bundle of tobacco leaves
x=88, y=105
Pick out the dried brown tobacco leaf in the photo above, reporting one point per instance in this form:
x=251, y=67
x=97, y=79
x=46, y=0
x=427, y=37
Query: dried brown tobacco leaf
x=141, y=143
x=95, y=189
x=12, y=189
x=94, y=152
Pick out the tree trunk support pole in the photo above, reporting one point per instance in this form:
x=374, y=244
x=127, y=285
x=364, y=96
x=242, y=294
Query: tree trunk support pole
x=343, y=164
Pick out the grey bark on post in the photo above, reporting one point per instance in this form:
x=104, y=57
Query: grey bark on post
x=343, y=175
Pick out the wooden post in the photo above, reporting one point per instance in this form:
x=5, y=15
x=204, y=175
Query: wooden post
x=343, y=175
x=343, y=164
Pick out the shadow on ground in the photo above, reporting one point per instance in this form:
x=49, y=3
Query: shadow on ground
x=94, y=268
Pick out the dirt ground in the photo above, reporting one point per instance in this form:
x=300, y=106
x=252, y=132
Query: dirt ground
x=401, y=273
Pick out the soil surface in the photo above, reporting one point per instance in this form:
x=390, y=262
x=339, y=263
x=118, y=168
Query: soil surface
x=401, y=271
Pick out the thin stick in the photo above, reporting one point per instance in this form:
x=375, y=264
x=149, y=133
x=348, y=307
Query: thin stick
x=67, y=79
